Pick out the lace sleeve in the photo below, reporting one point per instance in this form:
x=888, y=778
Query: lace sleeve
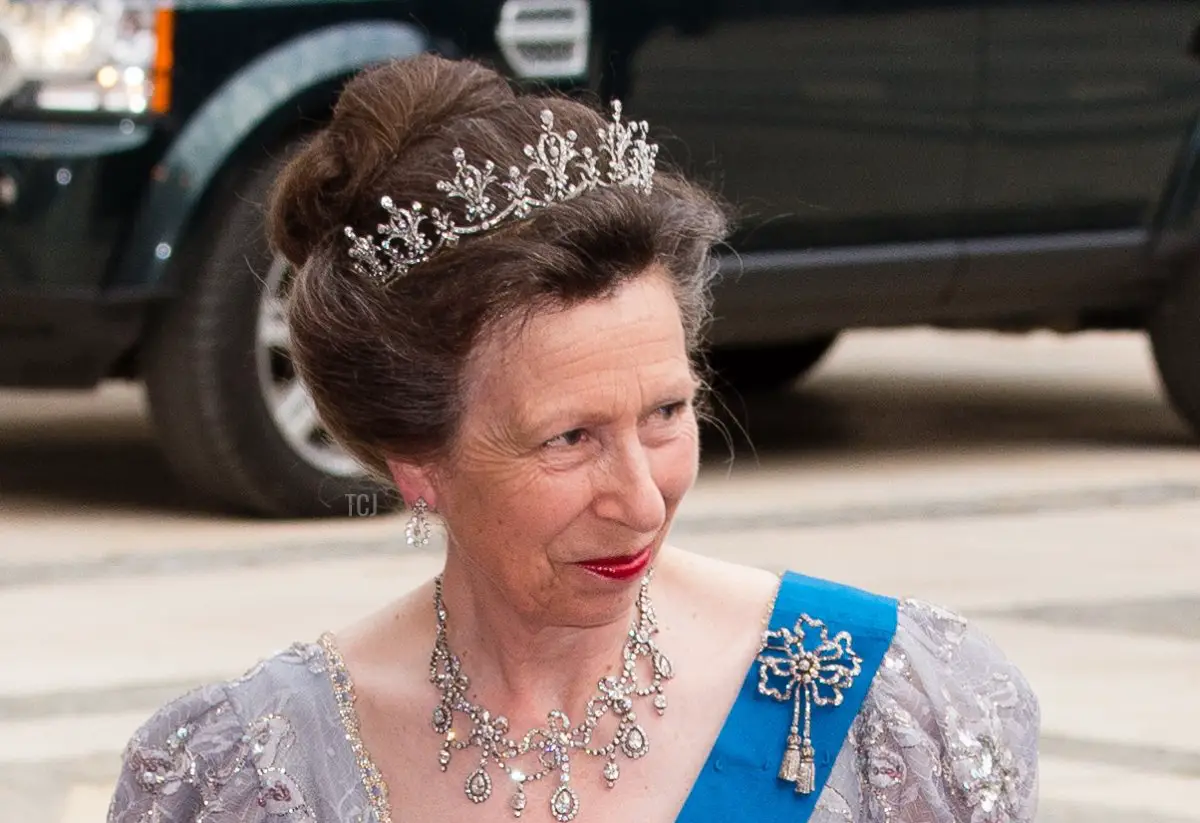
x=185, y=764
x=948, y=733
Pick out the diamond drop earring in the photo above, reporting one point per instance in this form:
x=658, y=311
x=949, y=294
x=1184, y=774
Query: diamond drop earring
x=417, y=530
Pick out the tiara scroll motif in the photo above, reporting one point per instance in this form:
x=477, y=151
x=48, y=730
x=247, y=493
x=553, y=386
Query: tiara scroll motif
x=559, y=171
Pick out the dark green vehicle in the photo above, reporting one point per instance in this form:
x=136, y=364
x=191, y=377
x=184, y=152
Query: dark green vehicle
x=975, y=164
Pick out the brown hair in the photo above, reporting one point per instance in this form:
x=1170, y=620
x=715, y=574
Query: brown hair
x=385, y=364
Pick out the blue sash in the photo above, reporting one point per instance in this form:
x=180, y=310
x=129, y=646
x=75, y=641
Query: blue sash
x=739, y=781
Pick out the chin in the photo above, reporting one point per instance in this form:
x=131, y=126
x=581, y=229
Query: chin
x=590, y=601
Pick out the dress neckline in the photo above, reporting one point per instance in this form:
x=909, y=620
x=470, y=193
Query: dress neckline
x=371, y=778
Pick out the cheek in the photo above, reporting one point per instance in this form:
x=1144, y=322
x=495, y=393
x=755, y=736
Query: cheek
x=676, y=465
x=529, y=501
x=556, y=500
x=481, y=495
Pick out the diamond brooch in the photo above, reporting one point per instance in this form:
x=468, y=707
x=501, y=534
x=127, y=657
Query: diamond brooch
x=804, y=665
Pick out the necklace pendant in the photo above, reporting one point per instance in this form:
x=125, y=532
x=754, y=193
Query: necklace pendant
x=564, y=804
x=479, y=785
x=517, y=801
x=662, y=666
x=611, y=772
x=634, y=743
x=442, y=719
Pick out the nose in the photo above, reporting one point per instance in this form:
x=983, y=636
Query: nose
x=628, y=491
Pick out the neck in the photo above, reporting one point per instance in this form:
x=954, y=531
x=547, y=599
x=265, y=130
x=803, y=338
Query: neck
x=515, y=662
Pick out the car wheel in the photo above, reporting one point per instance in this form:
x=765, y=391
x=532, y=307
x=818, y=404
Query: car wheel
x=237, y=425
x=1175, y=338
x=765, y=369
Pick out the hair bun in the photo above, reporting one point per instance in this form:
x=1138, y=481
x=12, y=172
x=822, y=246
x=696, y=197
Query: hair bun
x=382, y=113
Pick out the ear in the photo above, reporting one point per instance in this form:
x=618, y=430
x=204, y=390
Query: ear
x=414, y=481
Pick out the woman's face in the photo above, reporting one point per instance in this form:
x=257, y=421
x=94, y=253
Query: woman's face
x=578, y=441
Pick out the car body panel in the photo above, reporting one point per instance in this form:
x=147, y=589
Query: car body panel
x=72, y=187
x=1079, y=129
x=1078, y=140
x=832, y=132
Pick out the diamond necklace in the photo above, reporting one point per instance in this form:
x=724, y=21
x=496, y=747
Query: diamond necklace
x=552, y=745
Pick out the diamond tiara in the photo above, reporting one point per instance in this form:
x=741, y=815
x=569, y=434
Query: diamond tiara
x=558, y=171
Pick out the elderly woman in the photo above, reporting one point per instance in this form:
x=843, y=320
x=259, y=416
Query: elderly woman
x=498, y=304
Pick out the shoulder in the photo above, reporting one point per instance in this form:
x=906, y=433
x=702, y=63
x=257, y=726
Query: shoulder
x=952, y=660
x=932, y=658
x=925, y=645
x=229, y=747
x=734, y=596
x=950, y=723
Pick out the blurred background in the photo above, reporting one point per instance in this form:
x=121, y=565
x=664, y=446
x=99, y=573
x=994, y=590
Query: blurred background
x=957, y=343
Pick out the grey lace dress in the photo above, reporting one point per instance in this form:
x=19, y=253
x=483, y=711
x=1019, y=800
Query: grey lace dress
x=948, y=734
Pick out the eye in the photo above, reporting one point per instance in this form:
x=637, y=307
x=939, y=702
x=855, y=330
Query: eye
x=671, y=410
x=571, y=438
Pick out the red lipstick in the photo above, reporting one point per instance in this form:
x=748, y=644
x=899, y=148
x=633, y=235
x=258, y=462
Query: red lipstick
x=625, y=567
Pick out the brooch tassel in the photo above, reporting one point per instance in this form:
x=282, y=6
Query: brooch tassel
x=789, y=769
x=806, y=778
x=799, y=765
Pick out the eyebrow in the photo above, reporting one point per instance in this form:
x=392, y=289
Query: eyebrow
x=583, y=419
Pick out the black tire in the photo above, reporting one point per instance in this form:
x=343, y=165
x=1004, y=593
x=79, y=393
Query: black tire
x=201, y=369
x=1175, y=338
x=765, y=369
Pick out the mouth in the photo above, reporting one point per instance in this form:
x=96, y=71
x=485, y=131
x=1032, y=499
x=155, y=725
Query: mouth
x=624, y=567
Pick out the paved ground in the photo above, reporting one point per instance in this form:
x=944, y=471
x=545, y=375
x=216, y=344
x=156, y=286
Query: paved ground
x=1039, y=485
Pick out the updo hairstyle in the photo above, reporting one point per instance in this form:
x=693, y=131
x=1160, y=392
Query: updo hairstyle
x=385, y=363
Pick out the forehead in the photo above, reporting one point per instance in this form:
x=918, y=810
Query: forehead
x=600, y=350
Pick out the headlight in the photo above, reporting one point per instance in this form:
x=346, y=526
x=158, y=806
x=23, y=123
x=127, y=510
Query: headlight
x=90, y=55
